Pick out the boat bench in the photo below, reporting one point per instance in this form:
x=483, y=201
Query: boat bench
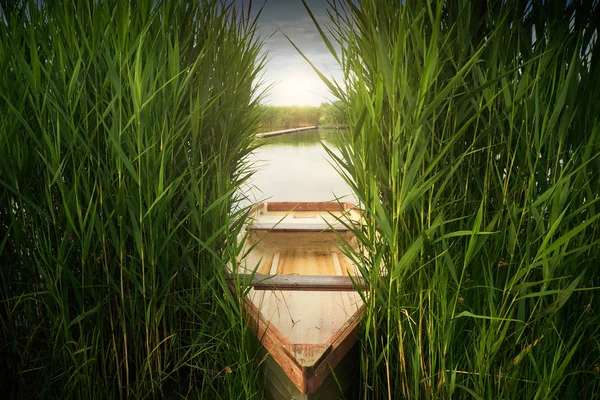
x=305, y=282
x=294, y=226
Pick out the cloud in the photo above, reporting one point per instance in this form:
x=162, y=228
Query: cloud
x=294, y=80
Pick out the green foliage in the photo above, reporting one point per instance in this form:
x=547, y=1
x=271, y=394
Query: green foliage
x=284, y=117
x=124, y=131
x=332, y=114
x=473, y=149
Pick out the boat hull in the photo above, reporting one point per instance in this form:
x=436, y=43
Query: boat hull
x=341, y=383
x=307, y=318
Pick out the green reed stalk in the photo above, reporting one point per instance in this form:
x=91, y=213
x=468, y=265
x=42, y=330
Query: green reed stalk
x=474, y=154
x=124, y=131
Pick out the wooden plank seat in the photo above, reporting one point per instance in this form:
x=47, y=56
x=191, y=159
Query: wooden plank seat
x=295, y=227
x=303, y=282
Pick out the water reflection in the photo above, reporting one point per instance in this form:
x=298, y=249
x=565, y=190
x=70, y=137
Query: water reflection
x=295, y=167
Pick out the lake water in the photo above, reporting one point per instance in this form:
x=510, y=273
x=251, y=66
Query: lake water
x=296, y=167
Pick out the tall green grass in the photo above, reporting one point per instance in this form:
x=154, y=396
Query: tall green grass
x=474, y=152
x=124, y=131
x=285, y=117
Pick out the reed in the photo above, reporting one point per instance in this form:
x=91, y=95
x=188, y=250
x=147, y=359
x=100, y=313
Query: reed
x=286, y=117
x=124, y=132
x=473, y=149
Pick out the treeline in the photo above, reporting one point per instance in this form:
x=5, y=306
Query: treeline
x=284, y=117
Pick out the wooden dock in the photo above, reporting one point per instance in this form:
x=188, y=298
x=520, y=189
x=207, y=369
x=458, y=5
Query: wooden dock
x=284, y=131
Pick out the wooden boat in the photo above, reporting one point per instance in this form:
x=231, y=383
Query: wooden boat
x=303, y=304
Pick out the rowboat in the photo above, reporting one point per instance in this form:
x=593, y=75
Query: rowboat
x=303, y=306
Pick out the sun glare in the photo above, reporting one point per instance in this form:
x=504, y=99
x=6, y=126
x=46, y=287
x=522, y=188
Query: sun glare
x=298, y=86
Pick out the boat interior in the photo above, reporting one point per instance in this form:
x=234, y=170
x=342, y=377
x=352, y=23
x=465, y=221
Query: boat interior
x=304, y=241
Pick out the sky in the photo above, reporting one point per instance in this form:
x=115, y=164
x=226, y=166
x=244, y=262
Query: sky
x=294, y=81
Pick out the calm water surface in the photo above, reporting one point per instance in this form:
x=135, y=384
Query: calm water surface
x=295, y=167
